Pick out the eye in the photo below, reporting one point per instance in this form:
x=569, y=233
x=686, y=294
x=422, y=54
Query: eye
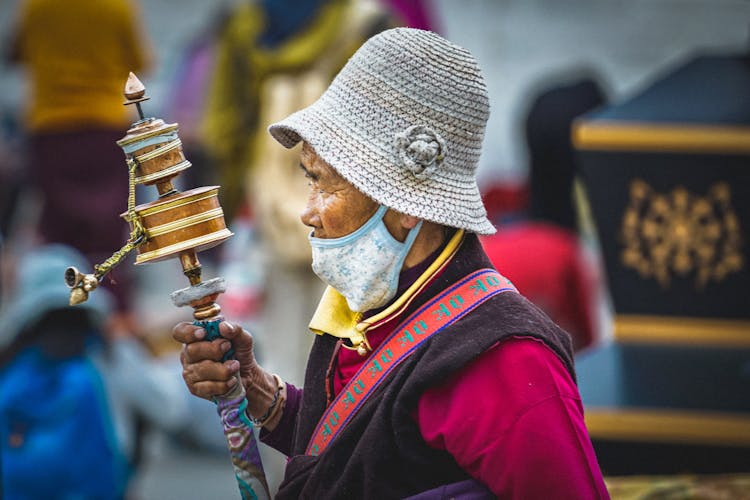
x=308, y=175
x=312, y=182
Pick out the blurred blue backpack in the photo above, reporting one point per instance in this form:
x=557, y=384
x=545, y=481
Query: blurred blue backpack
x=56, y=430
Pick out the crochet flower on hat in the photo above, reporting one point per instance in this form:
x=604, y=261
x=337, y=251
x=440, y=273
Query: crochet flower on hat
x=421, y=150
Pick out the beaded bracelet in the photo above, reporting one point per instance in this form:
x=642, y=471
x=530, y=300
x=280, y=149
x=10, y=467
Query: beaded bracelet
x=271, y=411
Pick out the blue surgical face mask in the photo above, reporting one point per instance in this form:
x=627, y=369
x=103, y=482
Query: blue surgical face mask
x=363, y=266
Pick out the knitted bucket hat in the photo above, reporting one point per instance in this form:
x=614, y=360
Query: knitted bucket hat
x=41, y=288
x=403, y=122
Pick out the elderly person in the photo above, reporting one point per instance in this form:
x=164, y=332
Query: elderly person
x=429, y=375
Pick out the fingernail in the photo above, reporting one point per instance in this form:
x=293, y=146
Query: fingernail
x=233, y=365
x=230, y=325
x=231, y=382
x=225, y=346
x=199, y=333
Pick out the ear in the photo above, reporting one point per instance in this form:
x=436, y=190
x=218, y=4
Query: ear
x=409, y=221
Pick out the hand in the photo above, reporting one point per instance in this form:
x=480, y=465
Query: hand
x=206, y=376
x=202, y=370
x=251, y=374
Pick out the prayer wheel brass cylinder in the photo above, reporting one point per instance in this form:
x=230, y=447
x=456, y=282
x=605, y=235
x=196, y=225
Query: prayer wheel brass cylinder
x=157, y=151
x=190, y=220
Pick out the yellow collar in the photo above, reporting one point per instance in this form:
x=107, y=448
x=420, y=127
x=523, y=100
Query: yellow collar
x=334, y=317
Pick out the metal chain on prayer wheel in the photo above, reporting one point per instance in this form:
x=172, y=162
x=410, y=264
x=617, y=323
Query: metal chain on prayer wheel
x=178, y=225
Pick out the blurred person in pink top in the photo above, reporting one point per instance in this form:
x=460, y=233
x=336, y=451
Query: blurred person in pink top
x=543, y=251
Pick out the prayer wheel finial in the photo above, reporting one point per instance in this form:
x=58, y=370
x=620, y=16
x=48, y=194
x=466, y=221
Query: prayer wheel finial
x=135, y=93
x=134, y=88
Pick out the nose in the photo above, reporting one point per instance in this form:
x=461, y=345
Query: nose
x=309, y=215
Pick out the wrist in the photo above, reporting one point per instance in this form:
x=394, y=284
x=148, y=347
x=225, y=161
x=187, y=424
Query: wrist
x=275, y=417
x=266, y=401
x=260, y=386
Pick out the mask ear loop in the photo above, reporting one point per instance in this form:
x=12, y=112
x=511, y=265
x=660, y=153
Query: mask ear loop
x=345, y=240
x=411, y=237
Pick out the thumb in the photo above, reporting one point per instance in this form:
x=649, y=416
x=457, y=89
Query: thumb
x=233, y=332
x=242, y=342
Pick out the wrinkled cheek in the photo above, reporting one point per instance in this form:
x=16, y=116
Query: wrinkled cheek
x=337, y=219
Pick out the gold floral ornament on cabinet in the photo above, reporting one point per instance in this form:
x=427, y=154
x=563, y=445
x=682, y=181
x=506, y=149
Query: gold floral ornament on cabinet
x=680, y=233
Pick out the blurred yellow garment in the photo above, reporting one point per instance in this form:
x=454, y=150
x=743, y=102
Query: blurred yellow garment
x=78, y=54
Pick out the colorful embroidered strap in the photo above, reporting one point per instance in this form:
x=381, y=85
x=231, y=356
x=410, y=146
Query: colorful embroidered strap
x=243, y=446
x=442, y=311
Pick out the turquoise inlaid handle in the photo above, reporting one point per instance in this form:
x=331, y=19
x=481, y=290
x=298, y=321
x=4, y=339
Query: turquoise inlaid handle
x=212, y=332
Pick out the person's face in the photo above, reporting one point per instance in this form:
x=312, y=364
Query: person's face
x=334, y=208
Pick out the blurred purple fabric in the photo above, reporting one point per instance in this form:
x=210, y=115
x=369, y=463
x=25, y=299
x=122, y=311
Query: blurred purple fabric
x=413, y=13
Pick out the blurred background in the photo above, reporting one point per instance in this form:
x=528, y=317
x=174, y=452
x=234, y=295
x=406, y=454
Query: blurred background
x=665, y=80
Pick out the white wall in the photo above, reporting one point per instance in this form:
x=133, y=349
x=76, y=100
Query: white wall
x=629, y=42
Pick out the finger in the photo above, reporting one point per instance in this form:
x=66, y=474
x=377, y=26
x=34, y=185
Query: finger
x=187, y=333
x=205, y=351
x=229, y=330
x=241, y=339
x=210, y=389
x=209, y=371
x=207, y=379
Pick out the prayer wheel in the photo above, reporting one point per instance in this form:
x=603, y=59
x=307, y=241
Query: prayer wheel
x=176, y=225
x=157, y=151
x=179, y=225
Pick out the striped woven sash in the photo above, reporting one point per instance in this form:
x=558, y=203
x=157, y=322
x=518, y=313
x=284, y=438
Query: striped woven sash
x=440, y=312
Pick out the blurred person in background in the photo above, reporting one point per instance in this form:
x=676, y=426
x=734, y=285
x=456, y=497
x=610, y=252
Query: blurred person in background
x=429, y=374
x=257, y=63
x=10, y=172
x=75, y=393
x=269, y=57
x=274, y=57
x=543, y=251
x=77, y=55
